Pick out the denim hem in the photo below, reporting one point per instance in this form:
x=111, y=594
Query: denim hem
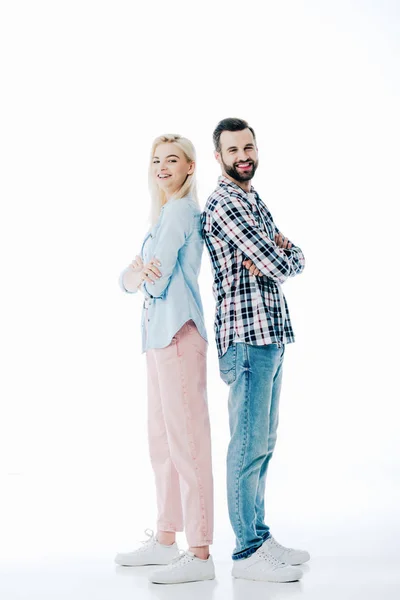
x=246, y=553
x=249, y=551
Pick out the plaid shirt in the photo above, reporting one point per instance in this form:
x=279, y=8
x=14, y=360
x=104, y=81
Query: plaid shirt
x=238, y=226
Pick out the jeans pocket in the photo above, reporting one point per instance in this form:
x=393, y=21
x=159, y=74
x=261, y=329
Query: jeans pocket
x=227, y=365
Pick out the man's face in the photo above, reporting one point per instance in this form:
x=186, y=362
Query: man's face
x=238, y=157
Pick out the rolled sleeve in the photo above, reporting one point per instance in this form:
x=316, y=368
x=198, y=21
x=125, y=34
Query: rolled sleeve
x=232, y=223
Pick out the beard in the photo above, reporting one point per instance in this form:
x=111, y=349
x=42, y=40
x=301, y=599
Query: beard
x=233, y=172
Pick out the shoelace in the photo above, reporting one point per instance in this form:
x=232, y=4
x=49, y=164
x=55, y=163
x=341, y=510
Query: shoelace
x=271, y=559
x=183, y=559
x=149, y=542
x=278, y=545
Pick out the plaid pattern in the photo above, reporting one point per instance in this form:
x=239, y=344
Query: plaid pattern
x=238, y=226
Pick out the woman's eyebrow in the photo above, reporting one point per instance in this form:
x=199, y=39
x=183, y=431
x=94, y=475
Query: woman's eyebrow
x=169, y=156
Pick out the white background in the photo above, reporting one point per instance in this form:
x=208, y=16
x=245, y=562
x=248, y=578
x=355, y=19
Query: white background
x=86, y=86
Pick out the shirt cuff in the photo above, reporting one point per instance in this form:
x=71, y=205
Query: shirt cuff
x=121, y=283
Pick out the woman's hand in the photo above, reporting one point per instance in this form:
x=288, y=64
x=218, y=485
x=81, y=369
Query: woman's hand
x=150, y=273
x=137, y=264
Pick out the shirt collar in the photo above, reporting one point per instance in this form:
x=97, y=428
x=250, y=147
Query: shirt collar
x=225, y=181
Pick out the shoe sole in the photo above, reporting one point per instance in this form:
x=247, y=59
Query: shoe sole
x=159, y=564
x=270, y=580
x=266, y=580
x=184, y=581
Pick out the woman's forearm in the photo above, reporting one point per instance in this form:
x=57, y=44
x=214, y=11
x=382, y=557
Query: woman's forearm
x=131, y=280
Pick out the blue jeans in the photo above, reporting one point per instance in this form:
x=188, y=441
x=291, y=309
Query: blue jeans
x=254, y=375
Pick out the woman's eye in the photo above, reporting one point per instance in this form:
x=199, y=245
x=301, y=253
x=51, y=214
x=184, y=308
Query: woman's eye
x=171, y=160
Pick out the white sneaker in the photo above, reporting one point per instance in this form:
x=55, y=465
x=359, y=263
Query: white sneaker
x=151, y=553
x=290, y=556
x=186, y=567
x=262, y=566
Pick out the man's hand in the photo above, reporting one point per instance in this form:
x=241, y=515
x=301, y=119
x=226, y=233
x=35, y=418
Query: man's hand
x=150, y=273
x=250, y=266
x=283, y=242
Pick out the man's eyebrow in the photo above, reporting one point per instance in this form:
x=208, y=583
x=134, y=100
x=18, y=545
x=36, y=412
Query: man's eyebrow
x=235, y=147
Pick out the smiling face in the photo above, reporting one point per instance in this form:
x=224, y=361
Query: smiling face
x=238, y=156
x=170, y=168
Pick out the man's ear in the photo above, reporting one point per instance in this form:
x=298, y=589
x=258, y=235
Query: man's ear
x=218, y=157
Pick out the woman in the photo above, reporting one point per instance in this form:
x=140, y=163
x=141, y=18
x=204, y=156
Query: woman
x=175, y=341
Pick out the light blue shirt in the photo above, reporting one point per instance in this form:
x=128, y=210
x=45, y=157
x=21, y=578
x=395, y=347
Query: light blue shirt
x=176, y=241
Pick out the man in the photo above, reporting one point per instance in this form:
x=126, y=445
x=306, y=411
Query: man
x=250, y=260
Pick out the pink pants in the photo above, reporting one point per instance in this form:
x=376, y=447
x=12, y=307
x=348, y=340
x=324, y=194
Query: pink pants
x=179, y=436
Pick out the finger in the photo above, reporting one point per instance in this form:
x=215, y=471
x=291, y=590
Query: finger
x=146, y=277
x=252, y=269
x=247, y=263
x=290, y=245
x=257, y=272
x=154, y=270
x=155, y=261
x=147, y=271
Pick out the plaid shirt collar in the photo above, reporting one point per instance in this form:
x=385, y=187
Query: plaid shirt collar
x=224, y=181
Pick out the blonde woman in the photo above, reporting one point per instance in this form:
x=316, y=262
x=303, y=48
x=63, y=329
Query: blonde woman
x=175, y=342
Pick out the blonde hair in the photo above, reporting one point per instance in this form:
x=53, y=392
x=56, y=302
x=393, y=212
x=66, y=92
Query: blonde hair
x=157, y=195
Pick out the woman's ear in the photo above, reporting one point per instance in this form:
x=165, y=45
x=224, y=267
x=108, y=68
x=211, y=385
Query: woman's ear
x=191, y=168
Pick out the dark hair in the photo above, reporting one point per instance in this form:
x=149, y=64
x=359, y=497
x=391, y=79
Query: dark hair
x=229, y=125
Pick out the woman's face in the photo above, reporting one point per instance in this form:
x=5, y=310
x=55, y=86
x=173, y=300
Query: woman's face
x=170, y=167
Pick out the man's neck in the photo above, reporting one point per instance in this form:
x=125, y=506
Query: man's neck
x=244, y=185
